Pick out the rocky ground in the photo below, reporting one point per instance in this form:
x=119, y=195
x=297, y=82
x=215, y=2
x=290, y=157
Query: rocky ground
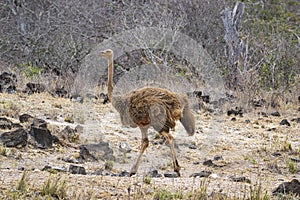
x=243, y=156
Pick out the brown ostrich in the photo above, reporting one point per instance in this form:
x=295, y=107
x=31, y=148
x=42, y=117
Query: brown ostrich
x=151, y=106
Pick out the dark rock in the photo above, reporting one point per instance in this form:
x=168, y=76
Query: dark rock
x=21, y=168
x=263, y=114
x=124, y=174
x=196, y=163
x=91, y=96
x=276, y=154
x=258, y=103
x=299, y=109
x=77, y=98
x=208, y=163
x=218, y=157
x=292, y=187
x=55, y=139
x=247, y=121
x=299, y=98
x=236, y=111
x=197, y=93
x=42, y=136
x=285, y=122
x=124, y=147
x=154, y=174
x=15, y=138
x=40, y=123
x=104, y=98
x=98, y=172
x=201, y=174
x=8, y=83
x=5, y=123
x=295, y=160
x=192, y=146
x=240, y=179
x=94, y=152
x=68, y=160
x=205, y=98
x=233, y=119
x=297, y=120
x=54, y=169
x=60, y=92
x=34, y=88
x=171, y=175
x=25, y=118
x=271, y=129
x=74, y=169
x=276, y=114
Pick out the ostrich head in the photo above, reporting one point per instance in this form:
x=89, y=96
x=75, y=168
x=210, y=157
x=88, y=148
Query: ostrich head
x=106, y=53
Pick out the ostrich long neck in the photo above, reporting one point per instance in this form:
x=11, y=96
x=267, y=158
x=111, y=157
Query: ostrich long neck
x=110, y=77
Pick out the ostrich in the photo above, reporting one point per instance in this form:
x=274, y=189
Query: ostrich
x=151, y=106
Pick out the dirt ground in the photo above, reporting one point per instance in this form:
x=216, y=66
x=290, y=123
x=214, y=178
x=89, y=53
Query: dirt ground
x=254, y=148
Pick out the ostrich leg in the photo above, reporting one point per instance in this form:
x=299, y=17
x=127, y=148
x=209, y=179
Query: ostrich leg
x=169, y=139
x=145, y=144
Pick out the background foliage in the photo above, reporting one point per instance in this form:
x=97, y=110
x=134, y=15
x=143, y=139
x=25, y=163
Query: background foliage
x=54, y=36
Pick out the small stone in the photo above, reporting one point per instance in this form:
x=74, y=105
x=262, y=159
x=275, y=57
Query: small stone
x=40, y=123
x=196, y=163
x=295, y=160
x=98, y=172
x=297, y=120
x=91, y=96
x=271, y=129
x=218, y=157
x=233, y=119
x=263, y=114
x=5, y=123
x=124, y=174
x=214, y=176
x=154, y=174
x=276, y=154
x=247, y=121
x=285, y=122
x=124, y=147
x=240, y=179
x=25, y=118
x=201, y=174
x=94, y=152
x=74, y=169
x=192, y=146
x=276, y=114
x=104, y=98
x=208, y=163
x=171, y=175
x=77, y=98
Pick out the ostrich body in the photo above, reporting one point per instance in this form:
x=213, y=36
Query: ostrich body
x=151, y=106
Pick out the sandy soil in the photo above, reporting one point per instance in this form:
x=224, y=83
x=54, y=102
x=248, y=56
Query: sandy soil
x=246, y=150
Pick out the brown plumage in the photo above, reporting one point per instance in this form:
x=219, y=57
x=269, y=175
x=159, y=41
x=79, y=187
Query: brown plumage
x=151, y=106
